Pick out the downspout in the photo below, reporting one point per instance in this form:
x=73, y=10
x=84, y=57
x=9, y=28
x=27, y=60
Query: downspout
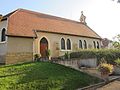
x=34, y=43
x=33, y=47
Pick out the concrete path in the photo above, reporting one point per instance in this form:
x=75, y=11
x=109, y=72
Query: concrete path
x=91, y=71
x=111, y=86
x=115, y=85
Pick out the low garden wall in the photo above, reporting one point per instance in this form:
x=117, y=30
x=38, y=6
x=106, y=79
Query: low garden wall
x=77, y=63
x=117, y=70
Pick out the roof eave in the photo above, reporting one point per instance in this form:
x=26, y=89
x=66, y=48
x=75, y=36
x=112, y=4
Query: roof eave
x=65, y=34
x=10, y=35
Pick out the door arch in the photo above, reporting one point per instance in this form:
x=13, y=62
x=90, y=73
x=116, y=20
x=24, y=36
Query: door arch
x=43, y=47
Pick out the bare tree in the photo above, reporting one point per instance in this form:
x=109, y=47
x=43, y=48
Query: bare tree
x=118, y=1
x=116, y=42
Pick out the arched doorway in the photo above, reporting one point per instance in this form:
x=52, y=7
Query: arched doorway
x=43, y=47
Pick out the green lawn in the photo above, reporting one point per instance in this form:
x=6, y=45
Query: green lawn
x=42, y=76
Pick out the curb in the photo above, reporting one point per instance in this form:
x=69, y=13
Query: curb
x=98, y=85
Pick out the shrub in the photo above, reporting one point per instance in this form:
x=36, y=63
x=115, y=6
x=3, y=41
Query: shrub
x=67, y=55
x=108, y=54
x=83, y=54
x=105, y=68
x=48, y=52
x=117, y=61
x=36, y=57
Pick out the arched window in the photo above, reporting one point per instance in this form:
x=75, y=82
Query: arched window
x=44, y=40
x=80, y=44
x=85, y=45
x=94, y=44
x=68, y=44
x=3, y=36
x=98, y=46
x=63, y=44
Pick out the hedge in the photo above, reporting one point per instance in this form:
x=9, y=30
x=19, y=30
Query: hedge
x=108, y=54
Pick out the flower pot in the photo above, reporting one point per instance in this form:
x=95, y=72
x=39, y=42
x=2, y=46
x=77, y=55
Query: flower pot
x=105, y=76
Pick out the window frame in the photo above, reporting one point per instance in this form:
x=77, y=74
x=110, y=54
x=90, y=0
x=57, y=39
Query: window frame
x=70, y=46
x=94, y=44
x=85, y=44
x=3, y=35
x=80, y=41
x=98, y=45
x=61, y=44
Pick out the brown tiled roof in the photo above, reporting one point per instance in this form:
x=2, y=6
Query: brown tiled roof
x=23, y=22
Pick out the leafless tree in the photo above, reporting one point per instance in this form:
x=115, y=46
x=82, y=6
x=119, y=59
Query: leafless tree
x=118, y=1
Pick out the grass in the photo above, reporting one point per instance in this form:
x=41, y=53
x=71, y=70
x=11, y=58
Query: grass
x=43, y=76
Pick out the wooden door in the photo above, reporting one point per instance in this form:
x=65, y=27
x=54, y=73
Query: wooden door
x=43, y=47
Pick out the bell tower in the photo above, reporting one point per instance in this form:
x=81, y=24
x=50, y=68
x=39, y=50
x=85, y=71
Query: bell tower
x=82, y=18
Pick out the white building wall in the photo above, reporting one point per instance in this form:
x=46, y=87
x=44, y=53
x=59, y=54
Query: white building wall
x=3, y=45
x=54, y=43
x=3, y=24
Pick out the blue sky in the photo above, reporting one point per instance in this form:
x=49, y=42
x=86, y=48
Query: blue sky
x=55, y=7
x=103, y=16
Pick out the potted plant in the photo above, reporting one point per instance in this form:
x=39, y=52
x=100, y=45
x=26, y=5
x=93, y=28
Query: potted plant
x=117, y=66
x=36, y=57
x=48, y=53
x=105, y=69
x=67, y=55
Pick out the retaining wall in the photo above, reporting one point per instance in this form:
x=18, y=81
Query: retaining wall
x=77, y=63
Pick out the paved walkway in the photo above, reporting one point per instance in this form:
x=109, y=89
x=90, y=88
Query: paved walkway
x=111, y=86
x=91, y=71
x=115, y=85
